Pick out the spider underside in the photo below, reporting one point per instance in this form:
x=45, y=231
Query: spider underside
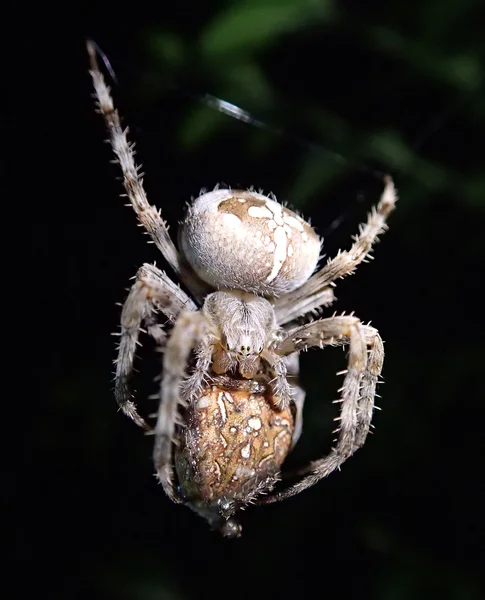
x=230, y=405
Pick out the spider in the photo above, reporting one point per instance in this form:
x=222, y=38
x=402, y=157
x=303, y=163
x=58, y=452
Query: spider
x=230, y=405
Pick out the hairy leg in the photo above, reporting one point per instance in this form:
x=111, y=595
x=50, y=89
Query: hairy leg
x=358, y=390
x=288, y=308
x=311, y=335
x=152, y=291
x=187, y=332
x=314, y=293
x=370, y=379
x=293, y=373
x=279, y=384
x=149, y=217
x=192, y=387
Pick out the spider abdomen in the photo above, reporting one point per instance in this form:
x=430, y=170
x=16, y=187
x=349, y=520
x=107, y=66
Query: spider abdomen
x=243, y=240
x=232, y=448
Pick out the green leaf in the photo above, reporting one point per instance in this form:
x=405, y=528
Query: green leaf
x=250, y=25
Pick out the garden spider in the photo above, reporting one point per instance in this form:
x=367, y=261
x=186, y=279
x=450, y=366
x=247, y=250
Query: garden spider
x=228, y=414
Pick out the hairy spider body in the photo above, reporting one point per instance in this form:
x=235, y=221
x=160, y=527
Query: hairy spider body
x=242, y=240
x=230, y=405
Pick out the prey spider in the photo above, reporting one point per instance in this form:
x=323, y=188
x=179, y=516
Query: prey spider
x=230, y=406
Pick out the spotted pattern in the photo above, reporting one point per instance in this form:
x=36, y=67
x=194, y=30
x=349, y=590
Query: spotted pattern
x=234, y=439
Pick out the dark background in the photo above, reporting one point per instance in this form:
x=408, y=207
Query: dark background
x=395, y=87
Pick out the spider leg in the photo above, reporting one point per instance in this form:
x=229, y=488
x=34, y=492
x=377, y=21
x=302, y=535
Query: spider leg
x=186, y=333
x=315, y=292
x=370, y=379
x=193, y=385
x=149, y=217
x=280, y=386
x=311, y=335
x=358, y=390
x=287, y=310
x=151, y=292
x=293, y=372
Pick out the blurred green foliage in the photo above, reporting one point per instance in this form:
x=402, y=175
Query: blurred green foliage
x=424, y=50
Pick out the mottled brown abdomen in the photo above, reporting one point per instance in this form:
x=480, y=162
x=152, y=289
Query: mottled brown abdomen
x=232, y=447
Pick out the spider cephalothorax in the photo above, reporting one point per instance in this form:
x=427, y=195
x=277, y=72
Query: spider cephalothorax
x=230, y=403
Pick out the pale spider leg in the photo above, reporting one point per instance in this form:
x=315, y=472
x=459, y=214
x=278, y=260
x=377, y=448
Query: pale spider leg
x=187, y=331
x=192, y=387
x=360, y=379
x=310, y=295
x=310, y=335
x=280, y=386
x=293, y=372
x=149, y=217
x=153, y=290
x=286, y=312
x=375, y=360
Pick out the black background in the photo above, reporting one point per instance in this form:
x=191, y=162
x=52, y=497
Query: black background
x=404, y=518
